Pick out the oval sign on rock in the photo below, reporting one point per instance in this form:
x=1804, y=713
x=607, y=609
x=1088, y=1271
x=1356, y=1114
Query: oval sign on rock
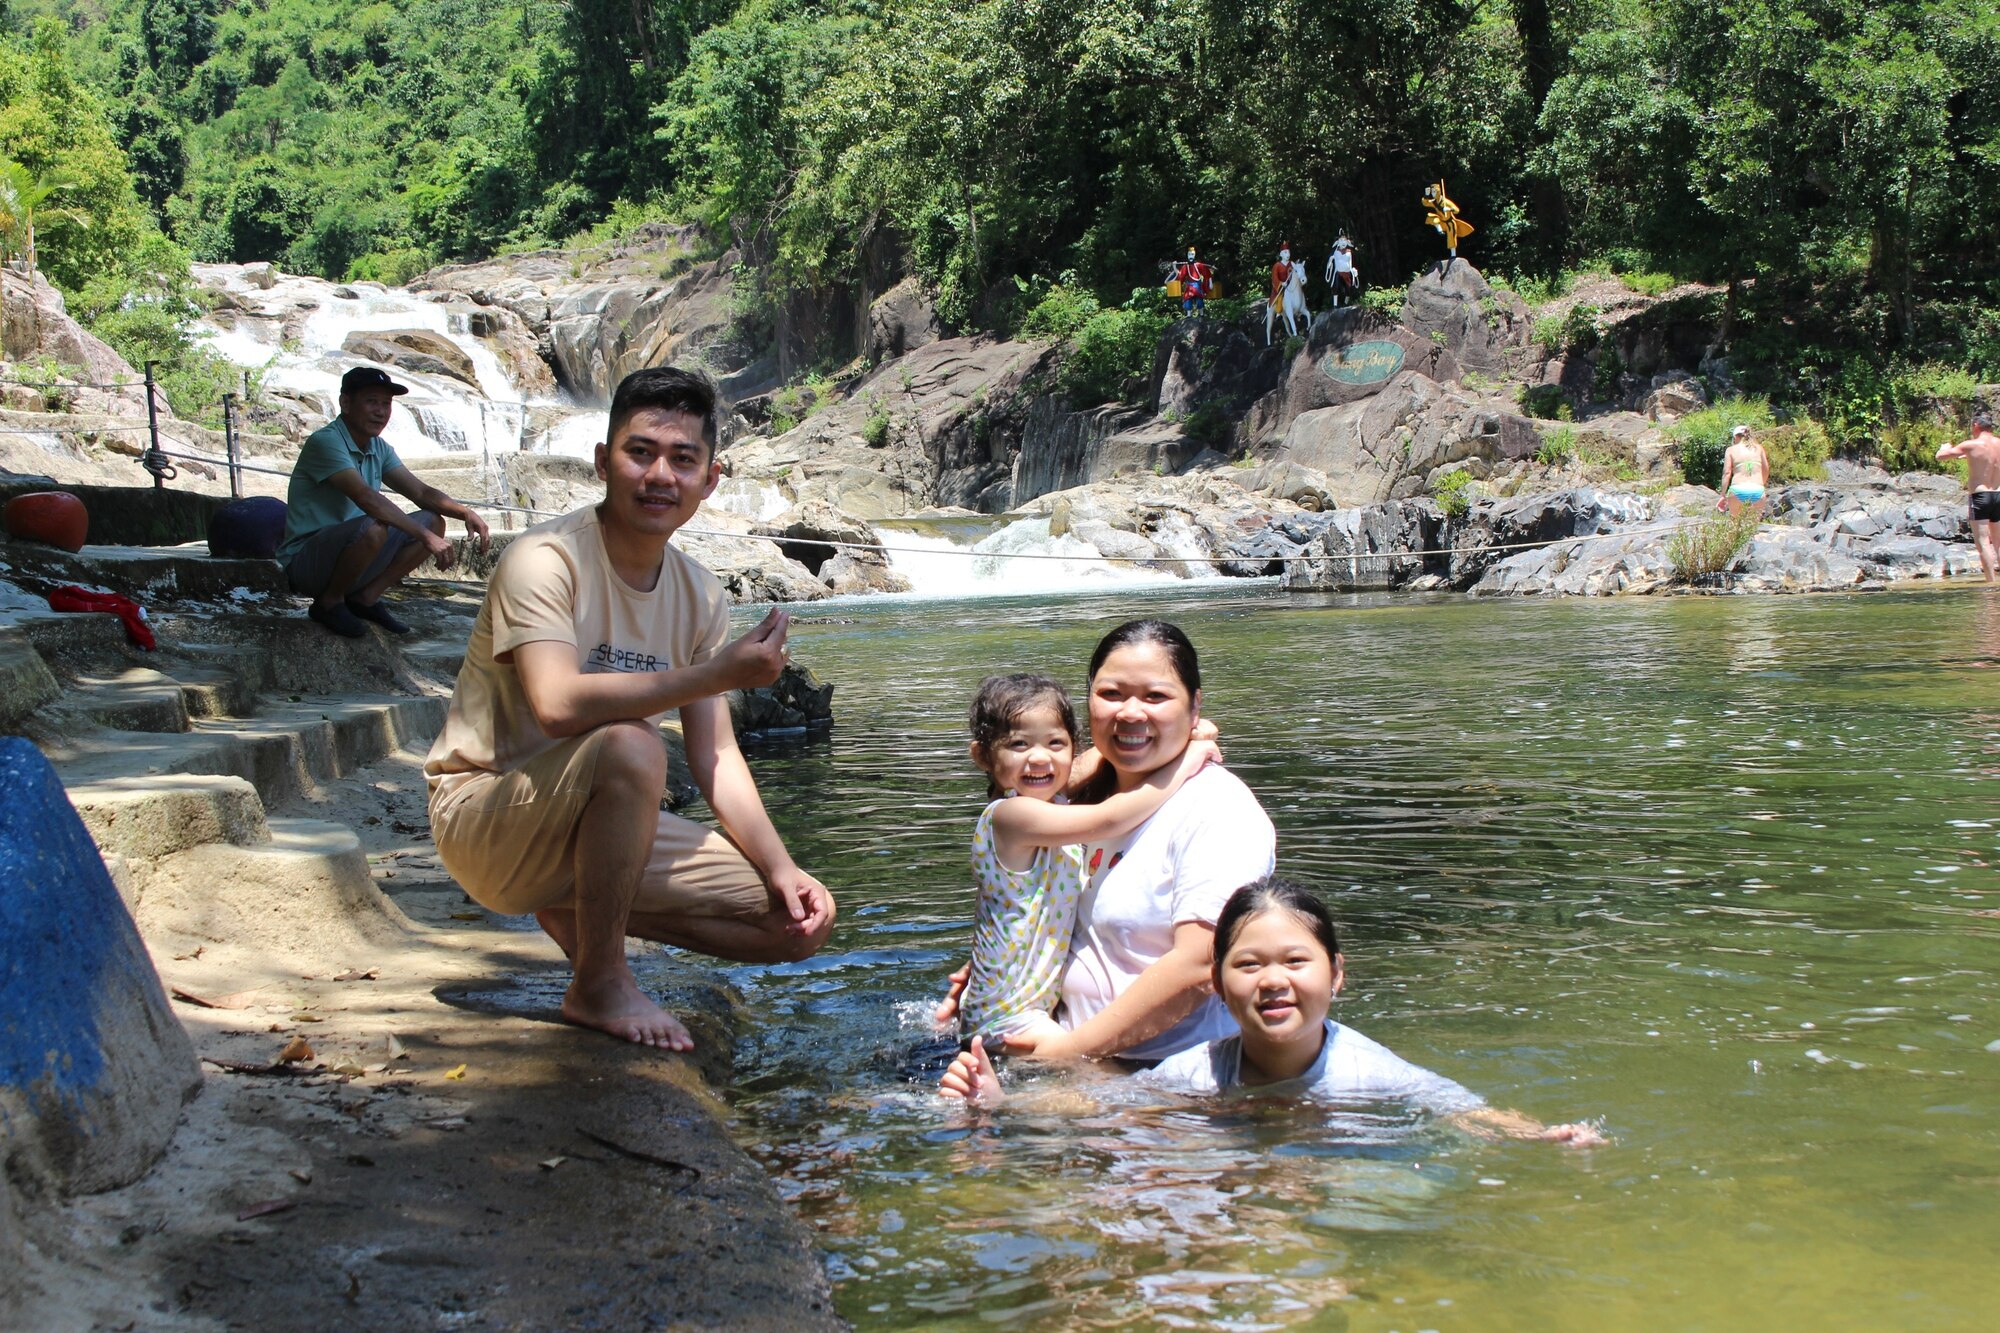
x=1363, y=363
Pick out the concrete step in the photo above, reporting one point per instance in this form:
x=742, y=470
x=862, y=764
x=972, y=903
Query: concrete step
x=136, y=699
x=284, y=752
x=146, y=818
x=306, y=892
x=150, y=575
x=26, y=683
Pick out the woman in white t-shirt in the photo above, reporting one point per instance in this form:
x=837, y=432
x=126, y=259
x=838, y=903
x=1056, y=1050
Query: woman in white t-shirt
x=1137, y=981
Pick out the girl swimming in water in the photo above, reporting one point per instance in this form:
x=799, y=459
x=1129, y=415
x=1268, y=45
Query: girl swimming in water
x=1027, y=848
x=1277, y=968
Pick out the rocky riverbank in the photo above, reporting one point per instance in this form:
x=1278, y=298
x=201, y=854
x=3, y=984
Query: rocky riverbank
x=384, y=1119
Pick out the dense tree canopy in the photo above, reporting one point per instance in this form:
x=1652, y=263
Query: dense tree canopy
x=1831, y=147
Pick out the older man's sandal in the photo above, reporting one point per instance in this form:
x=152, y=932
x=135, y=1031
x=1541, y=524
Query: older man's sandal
x=381, y=615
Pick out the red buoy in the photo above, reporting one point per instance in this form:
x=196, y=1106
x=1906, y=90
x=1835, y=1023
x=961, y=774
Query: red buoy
x=55, y=517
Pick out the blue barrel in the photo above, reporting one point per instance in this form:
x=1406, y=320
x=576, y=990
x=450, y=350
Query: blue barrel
x=247, y=529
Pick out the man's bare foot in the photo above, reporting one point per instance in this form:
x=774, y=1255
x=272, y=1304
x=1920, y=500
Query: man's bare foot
x=559, y=924
x=619, y=1007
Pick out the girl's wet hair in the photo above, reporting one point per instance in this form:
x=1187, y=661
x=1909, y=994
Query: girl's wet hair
x=1179, y=648
x=1003, y=700
x=1274, y=894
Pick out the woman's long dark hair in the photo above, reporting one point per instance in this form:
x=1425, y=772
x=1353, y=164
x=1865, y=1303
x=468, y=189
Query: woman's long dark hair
x=1268, y=894
x=1180, y=656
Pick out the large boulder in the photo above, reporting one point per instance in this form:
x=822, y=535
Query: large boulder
x=1383, y=447
x=1374, y=547
x=1481, y=539
x=900, y=321
x=1621, y=562
x=94, y=1068
x=418, y=351
x=1481, y=327
x=35, y=325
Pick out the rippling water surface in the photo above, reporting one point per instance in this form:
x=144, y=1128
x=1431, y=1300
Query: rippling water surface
x=1719, y=872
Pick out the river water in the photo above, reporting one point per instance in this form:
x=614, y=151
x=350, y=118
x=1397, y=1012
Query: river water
x=1718, y=872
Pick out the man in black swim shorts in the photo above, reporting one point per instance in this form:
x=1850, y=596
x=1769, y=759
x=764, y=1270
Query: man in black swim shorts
x=1982, y=456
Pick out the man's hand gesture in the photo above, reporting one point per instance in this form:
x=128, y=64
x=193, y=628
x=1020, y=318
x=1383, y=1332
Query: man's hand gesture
x=759, y=657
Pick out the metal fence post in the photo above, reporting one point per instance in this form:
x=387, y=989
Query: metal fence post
x=229, y=441
x=154, y=462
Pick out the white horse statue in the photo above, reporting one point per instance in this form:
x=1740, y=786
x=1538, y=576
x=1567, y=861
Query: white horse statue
x=1294, y=305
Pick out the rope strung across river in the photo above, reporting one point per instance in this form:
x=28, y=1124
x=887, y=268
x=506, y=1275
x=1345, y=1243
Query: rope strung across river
x=968, y=551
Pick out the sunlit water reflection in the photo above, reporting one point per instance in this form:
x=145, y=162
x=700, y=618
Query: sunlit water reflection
x=1719, y=871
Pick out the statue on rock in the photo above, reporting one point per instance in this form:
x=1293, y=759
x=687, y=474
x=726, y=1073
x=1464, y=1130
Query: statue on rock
x=1288, y=294
x=1442, y=215
x=1341, y=275
x=1193, y=282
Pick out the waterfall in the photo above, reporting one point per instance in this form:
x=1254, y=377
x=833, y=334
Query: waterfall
x=293, y=330
x=930, y=555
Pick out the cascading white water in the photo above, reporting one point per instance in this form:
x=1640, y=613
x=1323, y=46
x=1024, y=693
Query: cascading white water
x=938, y=566
x=294, y=331
x=576, y=435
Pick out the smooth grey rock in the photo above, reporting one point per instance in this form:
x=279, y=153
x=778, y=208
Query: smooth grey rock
x=1482, y=328
x=1792, y=560
x=1672, y=395
x=1367, y=547
x=900, y=321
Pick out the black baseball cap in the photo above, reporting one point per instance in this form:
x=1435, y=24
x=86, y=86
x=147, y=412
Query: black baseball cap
x=369, y=377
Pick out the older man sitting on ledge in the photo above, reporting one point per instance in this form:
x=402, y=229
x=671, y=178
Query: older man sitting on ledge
x=345, y=542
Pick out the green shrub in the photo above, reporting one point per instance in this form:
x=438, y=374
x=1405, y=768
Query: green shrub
x=1650, y=284
x=1709, y=546
x=1947, y=386
x=1798, y=451
x=875, y=430
x=1912, y=446
x=391, y=268
x=1700, y=438
x=1452, y=493
x=1209, y=426
x=1059, y=312
x=1545, y=401
x=1541, y=291
x=1385, y=300
x=1558, y=447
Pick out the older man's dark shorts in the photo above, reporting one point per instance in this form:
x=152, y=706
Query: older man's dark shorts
x=312, y=564
x=1986, y=506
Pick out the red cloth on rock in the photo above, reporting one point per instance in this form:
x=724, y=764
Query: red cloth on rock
x=111, y=603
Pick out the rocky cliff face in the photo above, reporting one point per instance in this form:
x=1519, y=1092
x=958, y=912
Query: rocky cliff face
x=595, y=317
x=35, y=327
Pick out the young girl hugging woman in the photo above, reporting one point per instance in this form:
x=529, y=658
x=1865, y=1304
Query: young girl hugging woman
x=1027, y=848
x=1277, y=968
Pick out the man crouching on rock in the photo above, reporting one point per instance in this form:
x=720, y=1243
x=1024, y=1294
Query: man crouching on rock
x=545, y=784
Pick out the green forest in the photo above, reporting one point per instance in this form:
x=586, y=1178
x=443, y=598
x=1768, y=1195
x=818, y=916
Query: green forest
x=1833, y=166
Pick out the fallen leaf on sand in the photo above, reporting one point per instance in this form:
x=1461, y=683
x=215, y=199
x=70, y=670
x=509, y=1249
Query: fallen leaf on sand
x=239, y=1000
x=246, y=1067
x=303, y=1017
x=455, y=1075
x=199, y=950
x=448, y=1123
x=300, y=1174
x=359, y=974
x=349, y=1068
x=295, y=1050
x=468, y=916
x=266, y=1208
x=551, y=1163
x=397, y=1051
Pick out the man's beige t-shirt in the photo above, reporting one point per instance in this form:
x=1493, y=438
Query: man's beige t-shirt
x=555, y=583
